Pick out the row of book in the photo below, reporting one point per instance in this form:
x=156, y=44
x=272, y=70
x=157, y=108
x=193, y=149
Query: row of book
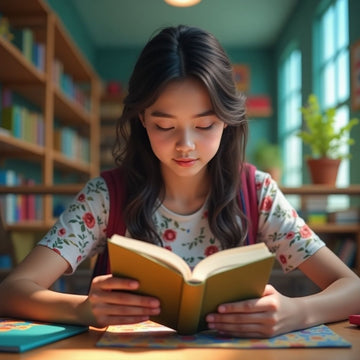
x=23, y=124
x=25, y=40
x=69, y=87
x=19, y=207
x=33, y=51
x=344, y=216
x=71, y=144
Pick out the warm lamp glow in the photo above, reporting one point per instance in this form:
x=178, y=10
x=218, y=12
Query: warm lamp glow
x=182, y=3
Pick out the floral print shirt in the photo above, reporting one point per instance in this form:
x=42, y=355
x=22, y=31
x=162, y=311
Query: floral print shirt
x=80, y=231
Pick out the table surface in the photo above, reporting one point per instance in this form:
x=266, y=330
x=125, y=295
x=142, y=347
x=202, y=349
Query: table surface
x=82, y=347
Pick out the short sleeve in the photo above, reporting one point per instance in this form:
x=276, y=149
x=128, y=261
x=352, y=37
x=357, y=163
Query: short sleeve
x=280, y=227
x=80, y=231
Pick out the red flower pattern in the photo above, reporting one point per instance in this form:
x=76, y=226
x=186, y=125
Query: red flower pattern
x=290, y=235
x=62, y=232
x=169, y=235
x=89, y=220
x=212, y=249
x=266, y=204
x=283, y=259
x=81, y=197
x=305, y=232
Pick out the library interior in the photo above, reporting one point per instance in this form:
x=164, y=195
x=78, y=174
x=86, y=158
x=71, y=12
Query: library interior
x=64, y=70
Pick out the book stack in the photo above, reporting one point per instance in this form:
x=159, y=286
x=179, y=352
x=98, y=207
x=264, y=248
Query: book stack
x=67, y=85
x=23, y=124
x=71, y=145
x=23, y=207
x=33, y=51
x=315, y=209
x=346, y=216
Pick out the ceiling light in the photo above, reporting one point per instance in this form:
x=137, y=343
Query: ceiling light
x=182, y=3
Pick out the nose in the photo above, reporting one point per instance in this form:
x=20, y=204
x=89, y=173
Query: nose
x=185, y=141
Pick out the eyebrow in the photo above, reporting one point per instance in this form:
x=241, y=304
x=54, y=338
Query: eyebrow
x=162, y=114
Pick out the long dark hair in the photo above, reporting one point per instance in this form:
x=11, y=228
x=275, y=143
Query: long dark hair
x=178, y=53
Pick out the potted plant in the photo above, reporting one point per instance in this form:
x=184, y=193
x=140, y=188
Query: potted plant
x=325, y=140
x=267, y=157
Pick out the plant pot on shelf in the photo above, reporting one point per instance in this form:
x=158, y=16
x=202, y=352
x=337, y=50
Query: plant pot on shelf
x=323, y=170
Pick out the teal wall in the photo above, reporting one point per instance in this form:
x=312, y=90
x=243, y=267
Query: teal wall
x=69, y=16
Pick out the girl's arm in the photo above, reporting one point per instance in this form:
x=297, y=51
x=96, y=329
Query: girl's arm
x=25, y=294
x=275, y=314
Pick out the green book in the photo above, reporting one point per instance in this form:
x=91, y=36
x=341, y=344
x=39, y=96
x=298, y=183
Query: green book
x=19, y=336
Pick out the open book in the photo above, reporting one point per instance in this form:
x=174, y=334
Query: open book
x=188, y=296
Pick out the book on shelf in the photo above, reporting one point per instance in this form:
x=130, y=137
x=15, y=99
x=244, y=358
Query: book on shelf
x=345, y=216
x=186, y=295
x=19, y=335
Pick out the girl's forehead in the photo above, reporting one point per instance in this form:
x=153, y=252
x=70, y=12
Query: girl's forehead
x=184, y=88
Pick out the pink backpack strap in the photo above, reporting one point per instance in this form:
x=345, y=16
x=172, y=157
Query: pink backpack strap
x=249, y=200
x=116, y=187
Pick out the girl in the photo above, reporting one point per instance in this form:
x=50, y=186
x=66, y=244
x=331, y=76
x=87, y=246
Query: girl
x=180, y=155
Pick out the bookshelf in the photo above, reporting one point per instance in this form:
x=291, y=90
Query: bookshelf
x=110, y=110
x=330, y=231
x=72, y=104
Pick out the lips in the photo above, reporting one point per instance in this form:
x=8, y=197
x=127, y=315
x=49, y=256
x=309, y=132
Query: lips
x=186, y=162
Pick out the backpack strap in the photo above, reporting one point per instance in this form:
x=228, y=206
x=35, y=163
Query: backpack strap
x=249, y=201
x=116, y=186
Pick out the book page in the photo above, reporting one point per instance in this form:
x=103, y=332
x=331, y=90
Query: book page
x=229, y=258
x=155, y=253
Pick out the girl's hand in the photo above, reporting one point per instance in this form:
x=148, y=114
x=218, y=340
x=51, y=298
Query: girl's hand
x=268, y=316
x=111, y=302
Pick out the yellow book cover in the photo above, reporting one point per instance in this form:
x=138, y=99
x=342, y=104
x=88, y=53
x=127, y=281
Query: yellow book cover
x=186, y=295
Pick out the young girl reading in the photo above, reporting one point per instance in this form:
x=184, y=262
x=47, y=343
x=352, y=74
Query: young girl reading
x=180, y=184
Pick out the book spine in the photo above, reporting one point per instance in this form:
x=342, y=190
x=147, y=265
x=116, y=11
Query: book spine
x=190, y=308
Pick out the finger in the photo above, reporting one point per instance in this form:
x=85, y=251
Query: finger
x=263, y=304
x=123, y=298
x=123, y=310
x=242, y=318
x=109, y=282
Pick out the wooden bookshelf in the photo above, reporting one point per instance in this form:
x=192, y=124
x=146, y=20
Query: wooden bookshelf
x=19, y=75
x=331, y=230
x=110, y=111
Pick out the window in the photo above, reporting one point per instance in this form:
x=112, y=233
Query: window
x=332, y=72
x=290, y=117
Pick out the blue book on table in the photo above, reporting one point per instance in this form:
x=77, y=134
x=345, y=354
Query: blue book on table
x=19, y=336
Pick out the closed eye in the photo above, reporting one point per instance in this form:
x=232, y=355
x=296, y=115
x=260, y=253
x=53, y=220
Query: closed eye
x=164, y=128
x=205, y=127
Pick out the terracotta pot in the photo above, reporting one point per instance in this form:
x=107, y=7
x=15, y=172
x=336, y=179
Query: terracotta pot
x=324, y=170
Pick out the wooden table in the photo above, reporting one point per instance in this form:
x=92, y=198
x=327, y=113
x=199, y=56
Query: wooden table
x=82, y=347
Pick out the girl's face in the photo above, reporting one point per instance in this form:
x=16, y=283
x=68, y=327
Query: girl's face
x=183, y=130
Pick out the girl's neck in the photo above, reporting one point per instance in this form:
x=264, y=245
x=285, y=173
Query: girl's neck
x=185, y=195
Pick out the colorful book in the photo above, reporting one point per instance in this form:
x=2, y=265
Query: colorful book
x=152, y=335
x=20, y=336
x=186, y=295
